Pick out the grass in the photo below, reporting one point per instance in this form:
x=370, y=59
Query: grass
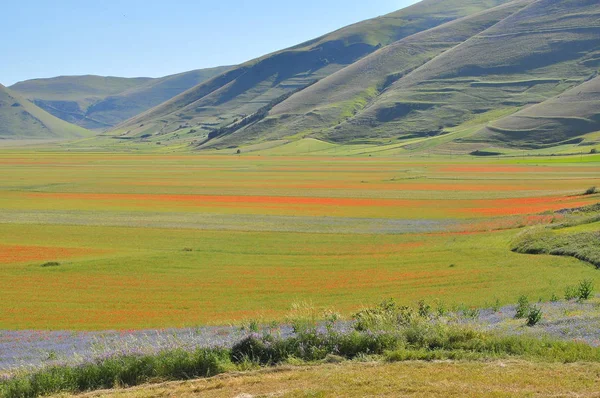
x=401, y=337
x=577, y=237
x=432, y=379
x=217, y=239
x=118, y=372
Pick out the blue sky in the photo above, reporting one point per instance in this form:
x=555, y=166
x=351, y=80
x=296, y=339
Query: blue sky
x=43, y=38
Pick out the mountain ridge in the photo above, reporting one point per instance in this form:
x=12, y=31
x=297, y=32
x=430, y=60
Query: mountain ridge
x=21, y=119
x=100, y=102
x=243, y=90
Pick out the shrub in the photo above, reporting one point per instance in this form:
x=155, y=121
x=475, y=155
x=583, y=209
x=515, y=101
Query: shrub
x=441, y=308
x=51, y=264
x=554, y=298
x=534, y=315
x=384, y=316
x=424, y=309
x=571, y=292
x=522, y=308
x=496, y=306
x=593, y=151
x=471, y=312
x=591, y=191
x=585, y=289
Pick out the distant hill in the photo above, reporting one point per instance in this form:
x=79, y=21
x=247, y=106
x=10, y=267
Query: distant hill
x=242, y=91
x=559, y=119
x=98, y=102
x=21, y=119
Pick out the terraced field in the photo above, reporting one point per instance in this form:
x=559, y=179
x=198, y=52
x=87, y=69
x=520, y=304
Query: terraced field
x=157, y=240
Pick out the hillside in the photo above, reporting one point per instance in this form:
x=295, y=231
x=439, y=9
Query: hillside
x=98, y=102
x=335, y=100
x=450, y=76
x=21, y=119
x=569, y=115
x=533, y=52
x=242, y=91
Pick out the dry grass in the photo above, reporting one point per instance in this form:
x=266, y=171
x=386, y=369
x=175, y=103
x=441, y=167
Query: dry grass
x=415, y=379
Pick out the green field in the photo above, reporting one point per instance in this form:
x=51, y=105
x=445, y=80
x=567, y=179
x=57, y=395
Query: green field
x=152, y=241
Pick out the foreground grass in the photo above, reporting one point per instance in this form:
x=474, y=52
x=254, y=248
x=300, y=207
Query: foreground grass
x=431, y=379
x=388, y=333
x=180, y=365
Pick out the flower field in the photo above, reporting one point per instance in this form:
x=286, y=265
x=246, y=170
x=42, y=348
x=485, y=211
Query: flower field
x=157, y=241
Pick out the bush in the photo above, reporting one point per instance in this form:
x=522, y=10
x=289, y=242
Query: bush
x=424, y=309
x=585, y=290
x=387, y=315
x=591, y=191
x=534, y=315
x=472, y=313
x=496, y=305
x=571, y=292
x=522, y=308
x=51, y=264
x=313, y=346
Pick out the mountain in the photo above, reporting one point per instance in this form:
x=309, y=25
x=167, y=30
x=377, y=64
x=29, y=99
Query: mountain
x=454, y=75
x=559, y=119
x=335, y=108
x=98, y=102
x=21, y=119
x=244, y=90
x=432, y=83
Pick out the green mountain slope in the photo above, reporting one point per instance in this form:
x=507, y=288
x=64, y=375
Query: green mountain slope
x=98, y=102
x=242, y=91
x=435, y=82
x=21, y=119
x=339, y=97
x=572, y=114
x=534, y=54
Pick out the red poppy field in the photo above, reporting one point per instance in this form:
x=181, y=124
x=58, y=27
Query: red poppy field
x=153, y=241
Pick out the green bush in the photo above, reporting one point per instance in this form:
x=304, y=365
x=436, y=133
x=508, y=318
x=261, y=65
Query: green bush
x=522, y=308
x=585, y=289
x=571, y=292
x=424, y=309
x=534, y=315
